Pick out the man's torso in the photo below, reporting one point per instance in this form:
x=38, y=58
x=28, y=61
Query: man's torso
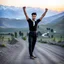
x=33, y=24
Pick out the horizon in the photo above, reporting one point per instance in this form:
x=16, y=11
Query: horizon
x=55, y=5
x=11, y=11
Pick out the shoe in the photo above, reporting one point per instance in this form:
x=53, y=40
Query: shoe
x=34, y=56
x=31, y=57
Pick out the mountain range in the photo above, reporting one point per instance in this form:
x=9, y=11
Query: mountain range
x=12, y=19
x=17, y=12
x=22, y=23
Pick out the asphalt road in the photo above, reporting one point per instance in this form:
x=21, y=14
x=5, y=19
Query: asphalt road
x=45, y=53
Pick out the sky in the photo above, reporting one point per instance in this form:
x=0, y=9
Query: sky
x=56, y=5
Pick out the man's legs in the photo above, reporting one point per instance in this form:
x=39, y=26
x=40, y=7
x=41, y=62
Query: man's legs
x=30, y=44
x=33, y=43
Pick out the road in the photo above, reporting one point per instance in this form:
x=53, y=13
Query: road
x=46, y=54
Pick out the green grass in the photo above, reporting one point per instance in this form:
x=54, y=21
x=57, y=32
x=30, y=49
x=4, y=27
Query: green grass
x=45, y=39
x=2, y=45
x=55, y=39
x=6, y=38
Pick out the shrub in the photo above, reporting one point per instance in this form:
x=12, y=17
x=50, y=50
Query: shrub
x=24, y=38
x=2, y=45
x=62, y=45
x=59, y=41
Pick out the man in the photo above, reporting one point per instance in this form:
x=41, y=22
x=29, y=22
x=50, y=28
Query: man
x=32, y=30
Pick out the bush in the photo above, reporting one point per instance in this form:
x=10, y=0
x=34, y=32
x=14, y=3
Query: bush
x=62, y=45
x=59, y=41
x=24, y=38
x=2, y=45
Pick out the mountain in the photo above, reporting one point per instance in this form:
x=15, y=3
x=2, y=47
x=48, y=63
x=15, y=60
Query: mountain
x=53, y=18
x=56, y=24
x=17, y=12
x=22, y=23
x=13, y=23
x=6, y=30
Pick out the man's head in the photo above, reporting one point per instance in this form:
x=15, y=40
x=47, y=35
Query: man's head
x=34, y=16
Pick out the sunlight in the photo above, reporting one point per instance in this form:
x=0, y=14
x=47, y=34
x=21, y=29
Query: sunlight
x=51, y=4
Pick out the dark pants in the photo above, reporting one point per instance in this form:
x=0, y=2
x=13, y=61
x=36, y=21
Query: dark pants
x=32, y=41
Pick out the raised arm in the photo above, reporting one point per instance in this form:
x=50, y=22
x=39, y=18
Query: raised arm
x=24, y=9
x=44, y=14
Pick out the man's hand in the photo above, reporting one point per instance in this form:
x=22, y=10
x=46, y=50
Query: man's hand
x=25, y=13
x=24, y=8
x=46, y=9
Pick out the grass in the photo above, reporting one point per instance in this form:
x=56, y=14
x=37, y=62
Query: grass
x=58, y=39
x=51, y=41
x=2, y=45
x=44, y=40
x=6, y=38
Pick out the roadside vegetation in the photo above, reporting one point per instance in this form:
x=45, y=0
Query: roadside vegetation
x=51, y=39
x=10, y=37
x=2, y=45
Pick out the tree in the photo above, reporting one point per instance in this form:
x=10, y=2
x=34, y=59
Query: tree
x=52, y=31
x=20, y=33
x=48, y=28
x=15, y=34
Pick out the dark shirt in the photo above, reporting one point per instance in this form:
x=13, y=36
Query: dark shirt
x=31, y=27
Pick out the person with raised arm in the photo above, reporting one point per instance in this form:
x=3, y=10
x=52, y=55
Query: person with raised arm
x=33, y=23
